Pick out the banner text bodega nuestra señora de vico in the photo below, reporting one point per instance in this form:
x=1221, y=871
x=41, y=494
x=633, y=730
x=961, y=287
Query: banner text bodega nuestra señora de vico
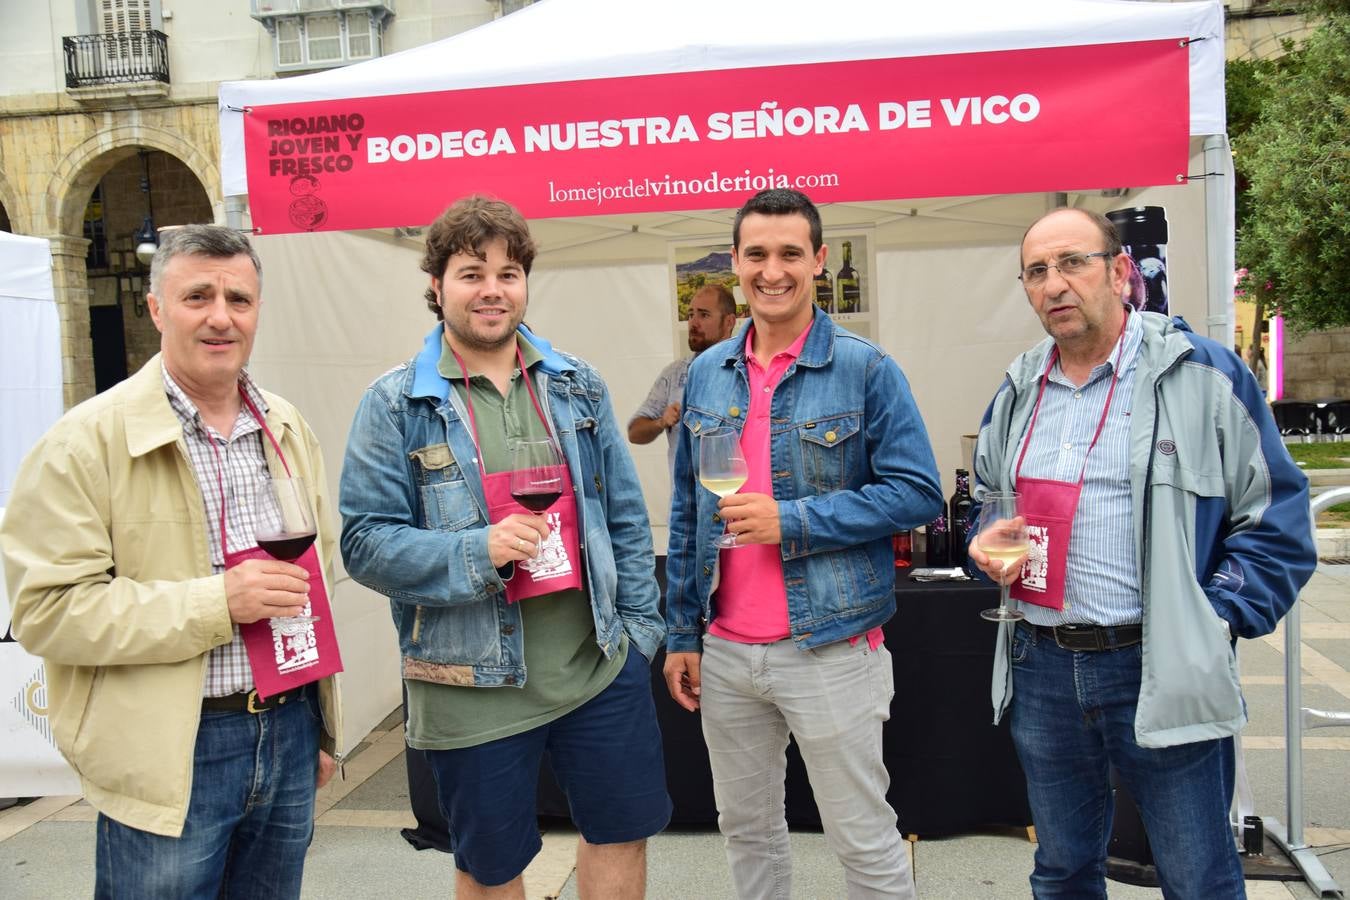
x=998, y=122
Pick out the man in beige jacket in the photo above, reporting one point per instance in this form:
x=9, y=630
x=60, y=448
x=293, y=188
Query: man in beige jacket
x=113, y=549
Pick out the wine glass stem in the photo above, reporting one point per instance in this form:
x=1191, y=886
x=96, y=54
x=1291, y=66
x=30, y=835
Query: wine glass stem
x=1003, y=598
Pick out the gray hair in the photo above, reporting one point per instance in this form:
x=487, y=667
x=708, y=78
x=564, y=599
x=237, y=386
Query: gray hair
x=215, y=241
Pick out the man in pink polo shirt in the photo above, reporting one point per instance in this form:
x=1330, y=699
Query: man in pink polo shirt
x=781, y=633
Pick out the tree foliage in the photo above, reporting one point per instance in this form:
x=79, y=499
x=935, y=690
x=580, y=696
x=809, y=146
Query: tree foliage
x=1294, y=221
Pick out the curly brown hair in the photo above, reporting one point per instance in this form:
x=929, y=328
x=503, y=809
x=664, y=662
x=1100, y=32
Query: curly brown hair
x=465, y=227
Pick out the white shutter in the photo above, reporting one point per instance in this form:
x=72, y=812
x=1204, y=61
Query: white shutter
x=128, y=20
x=122, y=16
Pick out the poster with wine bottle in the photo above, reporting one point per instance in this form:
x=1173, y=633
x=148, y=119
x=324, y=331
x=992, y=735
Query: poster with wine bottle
x=847, y=280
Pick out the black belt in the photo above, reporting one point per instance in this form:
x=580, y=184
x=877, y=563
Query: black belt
x=1092, y=637
x=250, y=702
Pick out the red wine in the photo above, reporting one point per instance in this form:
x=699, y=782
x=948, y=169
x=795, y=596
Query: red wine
x=287, y=547
x=536, y=501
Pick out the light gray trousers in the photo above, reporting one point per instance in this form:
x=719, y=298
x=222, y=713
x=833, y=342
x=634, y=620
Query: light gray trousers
x=833, y=700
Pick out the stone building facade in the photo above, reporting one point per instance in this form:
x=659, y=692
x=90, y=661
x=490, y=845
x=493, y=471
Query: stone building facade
x=85, y=165
x=1317, y=365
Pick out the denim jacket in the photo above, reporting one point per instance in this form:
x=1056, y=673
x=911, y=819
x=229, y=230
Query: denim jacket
x=414, y=520
x=851, y=466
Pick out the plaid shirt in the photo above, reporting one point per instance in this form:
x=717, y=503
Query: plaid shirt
x=237, y=463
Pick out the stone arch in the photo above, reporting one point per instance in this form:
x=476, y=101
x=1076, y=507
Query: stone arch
x=11, y=200
x=59, y=215
x=80, y=170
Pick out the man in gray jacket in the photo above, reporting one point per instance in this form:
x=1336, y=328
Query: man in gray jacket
x=1166, y=520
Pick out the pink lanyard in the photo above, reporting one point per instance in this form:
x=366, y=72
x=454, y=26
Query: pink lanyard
x=1036, y=410
x=220, y=468
x=468, y=401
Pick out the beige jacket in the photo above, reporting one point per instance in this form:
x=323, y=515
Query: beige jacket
x=110, y=582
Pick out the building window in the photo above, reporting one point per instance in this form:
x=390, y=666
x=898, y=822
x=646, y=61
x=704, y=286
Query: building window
x=126, y=25
x=288, y=37
x=322, y=40
x=122, y=16
x=363, y=36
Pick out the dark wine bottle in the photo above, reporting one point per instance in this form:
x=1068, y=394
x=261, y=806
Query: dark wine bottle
x=939, y=543
x=850, y=290
x=958, y=517
x=825, y=290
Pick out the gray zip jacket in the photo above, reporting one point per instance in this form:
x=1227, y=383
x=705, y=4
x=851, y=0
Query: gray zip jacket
x=1220, y=513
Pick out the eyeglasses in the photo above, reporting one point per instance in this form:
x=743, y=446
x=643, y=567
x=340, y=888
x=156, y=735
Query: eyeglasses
x=1073, y=264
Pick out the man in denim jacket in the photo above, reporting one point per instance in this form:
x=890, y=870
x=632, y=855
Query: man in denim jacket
x=781, y=633
x=520, y=631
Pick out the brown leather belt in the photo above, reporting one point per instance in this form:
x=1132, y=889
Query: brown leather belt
x=250, y=702
x=1092, y=637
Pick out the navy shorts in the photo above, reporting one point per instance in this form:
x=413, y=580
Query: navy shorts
x=606, y=756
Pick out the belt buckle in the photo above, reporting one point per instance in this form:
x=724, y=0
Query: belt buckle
x=1076, y=633
x=248, y=705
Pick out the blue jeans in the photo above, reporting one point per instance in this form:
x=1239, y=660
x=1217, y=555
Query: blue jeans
x=249, y=821
x=1072, y=716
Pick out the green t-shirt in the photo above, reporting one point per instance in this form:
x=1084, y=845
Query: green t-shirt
x=563, y=664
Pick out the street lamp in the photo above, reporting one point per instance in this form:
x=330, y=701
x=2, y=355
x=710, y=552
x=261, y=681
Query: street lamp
x=146, y=239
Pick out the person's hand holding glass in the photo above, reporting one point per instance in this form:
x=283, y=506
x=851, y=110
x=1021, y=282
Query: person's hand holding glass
x=722, y=468
x=284, y=523
x=999, y=547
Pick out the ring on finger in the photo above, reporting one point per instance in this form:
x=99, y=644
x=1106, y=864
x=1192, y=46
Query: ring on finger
x=520, y=544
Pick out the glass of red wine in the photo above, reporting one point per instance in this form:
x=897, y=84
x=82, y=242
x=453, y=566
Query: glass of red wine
x=284, y=522
x=536, y=475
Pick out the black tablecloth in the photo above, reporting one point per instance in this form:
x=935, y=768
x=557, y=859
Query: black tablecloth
x=951, y=769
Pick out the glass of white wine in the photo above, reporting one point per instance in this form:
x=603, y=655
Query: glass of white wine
x=1002, y=535
x=721, y=468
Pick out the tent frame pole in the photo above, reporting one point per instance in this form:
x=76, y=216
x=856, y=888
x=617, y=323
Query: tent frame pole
x=1291, y=841
x=1219, y=200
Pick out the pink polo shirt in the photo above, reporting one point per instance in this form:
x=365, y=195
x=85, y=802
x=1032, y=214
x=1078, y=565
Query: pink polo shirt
x=751, y=597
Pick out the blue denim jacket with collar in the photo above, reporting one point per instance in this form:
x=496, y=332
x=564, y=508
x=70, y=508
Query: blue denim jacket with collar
x=414, y=520
x=851, y=466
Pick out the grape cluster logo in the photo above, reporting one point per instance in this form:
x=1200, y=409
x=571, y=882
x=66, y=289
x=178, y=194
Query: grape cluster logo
x=307, y=211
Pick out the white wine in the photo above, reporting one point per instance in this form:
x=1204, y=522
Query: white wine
x=723, y=487
x=1006, y=555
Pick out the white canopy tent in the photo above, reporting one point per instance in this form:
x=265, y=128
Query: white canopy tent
x=30, y=401
x=30, y=350
x=343, y=306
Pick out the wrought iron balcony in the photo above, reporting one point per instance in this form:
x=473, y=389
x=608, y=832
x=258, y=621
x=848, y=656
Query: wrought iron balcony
x=133, y=56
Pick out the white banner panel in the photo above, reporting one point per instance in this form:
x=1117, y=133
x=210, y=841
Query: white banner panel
x=30, y=765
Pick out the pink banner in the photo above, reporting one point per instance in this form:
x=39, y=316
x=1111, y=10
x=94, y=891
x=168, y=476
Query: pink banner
x=1053, y=119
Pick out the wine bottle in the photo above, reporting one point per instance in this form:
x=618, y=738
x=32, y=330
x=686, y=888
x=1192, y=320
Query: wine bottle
x=939, y=543
x=850, y=291
x=825, y=290
x=958, y=517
